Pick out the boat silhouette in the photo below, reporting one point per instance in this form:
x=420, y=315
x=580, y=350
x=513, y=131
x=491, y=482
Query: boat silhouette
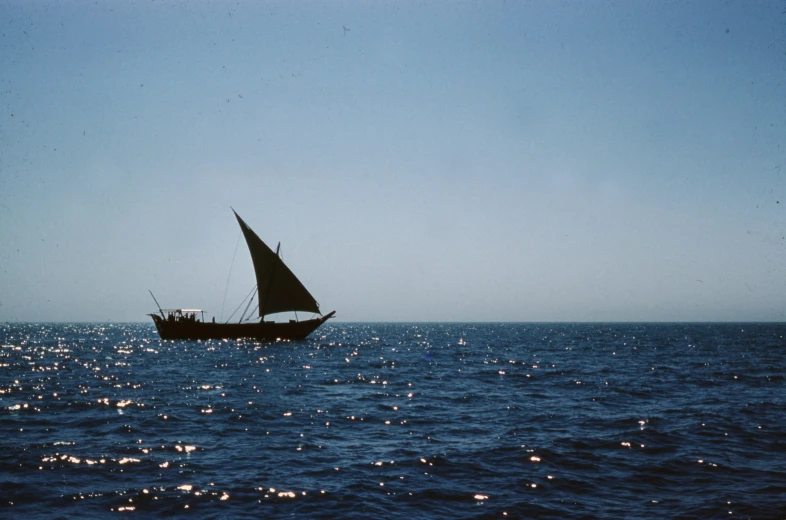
x=278, y=290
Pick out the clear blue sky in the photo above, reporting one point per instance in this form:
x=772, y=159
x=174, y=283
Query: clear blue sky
x=489, y=160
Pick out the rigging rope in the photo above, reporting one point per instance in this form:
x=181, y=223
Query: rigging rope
x=242, y=302
x=228, y=277
x=251, y=316
x=246, y=310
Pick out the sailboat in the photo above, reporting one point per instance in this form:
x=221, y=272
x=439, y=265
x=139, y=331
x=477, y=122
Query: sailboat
x=278, y=290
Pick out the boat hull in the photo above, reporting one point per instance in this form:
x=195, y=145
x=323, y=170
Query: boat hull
x=264, y=331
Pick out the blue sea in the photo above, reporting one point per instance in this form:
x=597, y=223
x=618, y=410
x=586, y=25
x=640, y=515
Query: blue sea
x=402, y=421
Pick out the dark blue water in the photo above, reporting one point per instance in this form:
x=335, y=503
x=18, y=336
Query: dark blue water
x=396, y=421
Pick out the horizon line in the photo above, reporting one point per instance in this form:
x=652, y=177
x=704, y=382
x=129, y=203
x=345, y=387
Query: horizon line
x=395, y=322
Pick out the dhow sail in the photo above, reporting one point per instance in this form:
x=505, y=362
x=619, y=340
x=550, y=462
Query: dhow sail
x=278, y=287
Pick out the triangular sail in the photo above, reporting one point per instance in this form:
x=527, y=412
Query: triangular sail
x=279, y=289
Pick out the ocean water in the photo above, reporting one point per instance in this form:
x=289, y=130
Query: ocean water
x=396, y=421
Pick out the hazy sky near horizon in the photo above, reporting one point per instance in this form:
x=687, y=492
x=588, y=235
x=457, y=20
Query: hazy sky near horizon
x=431, y=161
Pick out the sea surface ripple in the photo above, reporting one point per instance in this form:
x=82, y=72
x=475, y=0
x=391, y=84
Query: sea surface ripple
x=396, y=421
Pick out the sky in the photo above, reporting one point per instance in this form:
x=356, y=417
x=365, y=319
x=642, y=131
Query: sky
x=418, y=160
